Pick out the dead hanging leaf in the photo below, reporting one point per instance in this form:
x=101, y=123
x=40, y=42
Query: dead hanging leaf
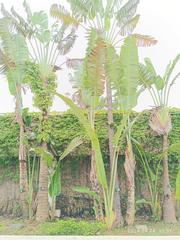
x=160, y=121
x=144, y=40
x=74, y=63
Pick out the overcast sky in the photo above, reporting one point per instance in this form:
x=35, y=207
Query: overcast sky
x=159, y=18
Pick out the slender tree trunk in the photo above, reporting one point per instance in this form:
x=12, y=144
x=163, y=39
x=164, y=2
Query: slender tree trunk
x=42, y=213
x=168, y=205
x=129, y=166
x=117, y=198
x=23, y=178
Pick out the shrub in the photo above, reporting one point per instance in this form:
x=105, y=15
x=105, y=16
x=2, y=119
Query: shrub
x=72, y=227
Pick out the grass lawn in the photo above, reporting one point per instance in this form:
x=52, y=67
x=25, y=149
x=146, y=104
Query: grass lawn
x=71, y=227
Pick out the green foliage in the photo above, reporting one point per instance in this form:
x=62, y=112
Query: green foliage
x=43, y=93
x=152, y=175
x=14, y=54
x=178, y=185
x=86, y=190
x=9, y=138
x=43, y=90
x=90, y=132
x=159, y=87
x=66, y=127
x=129, y=82
x=72, y=227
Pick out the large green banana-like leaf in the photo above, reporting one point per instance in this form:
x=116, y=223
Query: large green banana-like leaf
x=73, y=144
x=17, y=50
x=150, y=67
x=113, y=68
x=154, y=78
x=40, y=19
x=14, y=54
x=128, y=83
x=55, y=183
x=54, y=188
x=146, y=78
x=14, y=77
x=170, y=68
x=129, y=27
x=123, y=73
x=93, y=75
x=79, y=7
x=88, y=78
x=79, y=113
x=86, y=8
x=127, y=12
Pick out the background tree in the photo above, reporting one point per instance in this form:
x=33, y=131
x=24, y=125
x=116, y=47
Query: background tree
x=45, y=45
x=13, y=55
x=160, y=120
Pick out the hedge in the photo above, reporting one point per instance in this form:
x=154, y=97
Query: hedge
x=65, y=126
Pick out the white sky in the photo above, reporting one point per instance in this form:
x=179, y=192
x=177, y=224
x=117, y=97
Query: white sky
x=159, y=18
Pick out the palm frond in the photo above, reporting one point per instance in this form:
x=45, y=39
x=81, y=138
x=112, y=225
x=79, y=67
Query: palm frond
x=59, y=12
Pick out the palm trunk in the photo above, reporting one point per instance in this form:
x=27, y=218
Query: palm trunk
x=42, y=213
x=168, y=205
x=23, y=178
x=117, y=199
x=129, y=166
